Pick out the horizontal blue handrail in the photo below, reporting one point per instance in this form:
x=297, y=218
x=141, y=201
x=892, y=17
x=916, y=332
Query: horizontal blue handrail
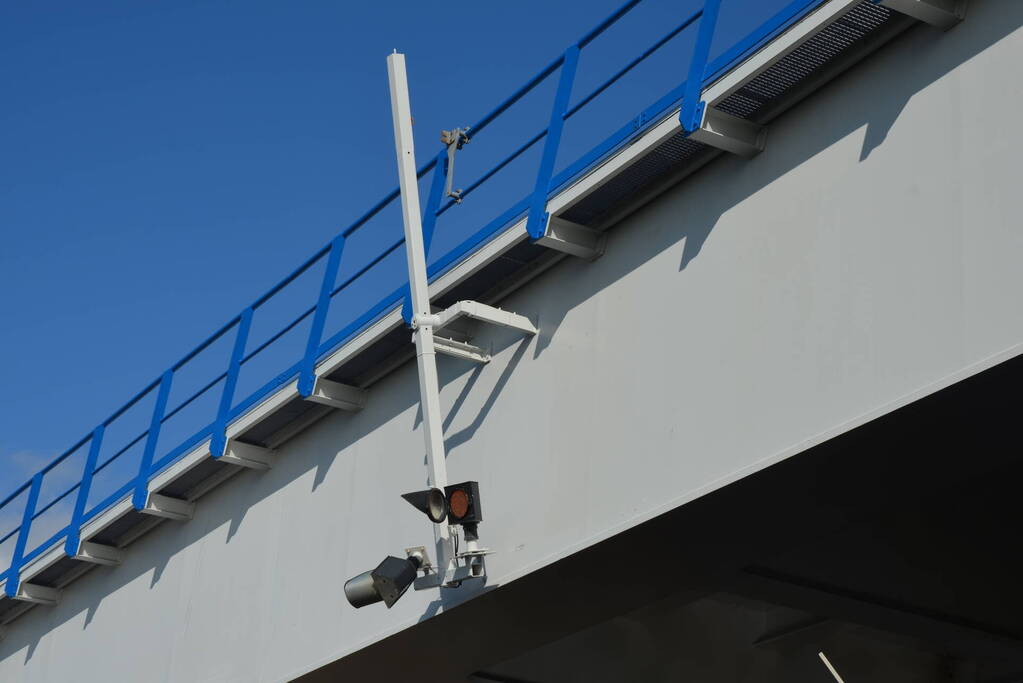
x=320, y=343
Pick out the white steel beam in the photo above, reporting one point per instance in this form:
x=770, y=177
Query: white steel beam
x=730, y=133
x=426, y=354
x=36, y=594
x=337, y=395
x=159, y=505
x=97, y=553
x=450, y=347
x=831, y=668
x=247, y=455
x=943, y=14
x=573, y=239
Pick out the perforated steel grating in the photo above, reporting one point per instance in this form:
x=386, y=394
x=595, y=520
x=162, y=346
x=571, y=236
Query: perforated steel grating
x=749, y=102
x=671, y=155
x=806, y=60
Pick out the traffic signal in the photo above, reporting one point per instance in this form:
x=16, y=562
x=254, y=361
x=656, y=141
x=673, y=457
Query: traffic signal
x=458, y=503
x=464, y=503
x=431, y=502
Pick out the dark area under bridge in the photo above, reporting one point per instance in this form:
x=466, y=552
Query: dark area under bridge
x=902, y=531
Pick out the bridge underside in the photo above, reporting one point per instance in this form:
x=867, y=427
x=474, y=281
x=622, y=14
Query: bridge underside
x=891, y=548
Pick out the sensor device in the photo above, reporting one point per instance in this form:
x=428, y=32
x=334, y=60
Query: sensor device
x=387, y=583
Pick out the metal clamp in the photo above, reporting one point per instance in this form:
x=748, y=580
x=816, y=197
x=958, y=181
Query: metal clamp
x=454, y=139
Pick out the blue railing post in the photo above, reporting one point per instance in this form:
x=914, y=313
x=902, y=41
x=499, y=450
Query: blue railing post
x=307, y=376
x=536, y=224
x=74, y=528
x=141, y=495
x=13, y=580
x=693, y=105
x=440, y=177
x=218, y=439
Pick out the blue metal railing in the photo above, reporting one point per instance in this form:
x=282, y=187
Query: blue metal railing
x=72, y=504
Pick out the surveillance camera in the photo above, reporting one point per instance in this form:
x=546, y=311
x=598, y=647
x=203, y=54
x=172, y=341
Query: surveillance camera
x=388, y=582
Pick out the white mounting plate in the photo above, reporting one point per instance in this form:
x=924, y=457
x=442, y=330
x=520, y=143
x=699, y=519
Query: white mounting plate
x=488, y=314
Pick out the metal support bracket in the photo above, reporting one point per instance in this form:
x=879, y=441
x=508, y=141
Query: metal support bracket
x=159, y=505
x=573, y=239
x=472, y=310
x=729, y=133
x=458, y=349
x=36, y=594
x=337, y=395
x=943, y=14
x=454, y=139
x=484, y=313
x=454, y=577
x=474, y=567
x=97, y=553
x=248, y=455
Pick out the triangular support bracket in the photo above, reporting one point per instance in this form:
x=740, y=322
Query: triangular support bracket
x=474, y=310
x=729, y=133
x=469, y=310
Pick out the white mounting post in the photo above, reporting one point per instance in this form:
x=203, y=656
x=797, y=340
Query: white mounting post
x=831, y=668
x=422, y=321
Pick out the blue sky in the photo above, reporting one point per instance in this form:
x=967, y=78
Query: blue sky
x=163, y=163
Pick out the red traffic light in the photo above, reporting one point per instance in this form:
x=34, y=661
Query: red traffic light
x=458, y=503
x=464, y=503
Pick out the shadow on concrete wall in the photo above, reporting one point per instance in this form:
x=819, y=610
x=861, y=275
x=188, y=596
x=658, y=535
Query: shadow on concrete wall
x=728, y=181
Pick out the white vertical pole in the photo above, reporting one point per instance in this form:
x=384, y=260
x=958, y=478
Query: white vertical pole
x=827, y=663
x=426, y=356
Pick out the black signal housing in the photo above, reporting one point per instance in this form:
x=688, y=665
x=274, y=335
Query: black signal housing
x=463, y=503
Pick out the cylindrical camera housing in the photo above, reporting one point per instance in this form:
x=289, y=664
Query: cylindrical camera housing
x=360, y=590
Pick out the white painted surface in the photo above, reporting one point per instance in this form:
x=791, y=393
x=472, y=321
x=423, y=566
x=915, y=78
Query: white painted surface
x=872, y=250
x=419, y=300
